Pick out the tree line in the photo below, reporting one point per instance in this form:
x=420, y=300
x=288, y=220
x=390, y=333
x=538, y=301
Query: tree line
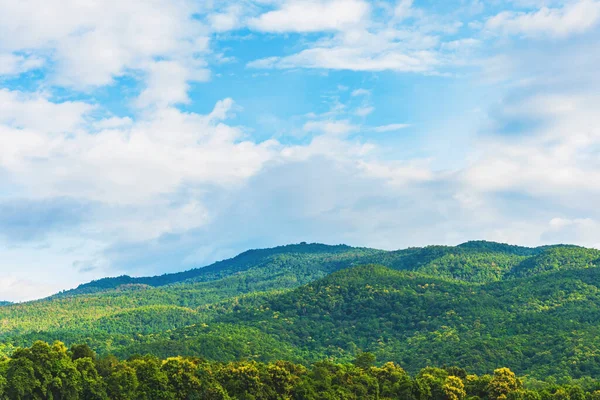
x=53, y=371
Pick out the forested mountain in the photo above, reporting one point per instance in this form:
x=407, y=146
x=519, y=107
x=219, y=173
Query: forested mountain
x=301, y=259
x=474, y=261
x=480, y=305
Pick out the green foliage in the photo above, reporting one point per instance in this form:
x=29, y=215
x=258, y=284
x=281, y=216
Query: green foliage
x=478, y=305
x=558, y=259
x=48, y=372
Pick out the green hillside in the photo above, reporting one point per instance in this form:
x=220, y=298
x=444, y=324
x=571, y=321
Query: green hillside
x=480, y=305
x=474, y=261
x=544, y=325
x=302, y=259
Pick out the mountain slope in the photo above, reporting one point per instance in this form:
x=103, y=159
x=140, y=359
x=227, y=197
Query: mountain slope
x=479, y=304
x=542, y=325
x=557, y=259
x=281, y=268
x=308, y=256
x=488, y=261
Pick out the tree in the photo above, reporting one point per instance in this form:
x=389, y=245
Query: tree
x=82, y=351
x=364, y=360
x=503, y=382
x=153, y=383
x=122, y=383
x=21, y=382
x=394, y=382
x=182, y=377
x=454, y=388
x=93, y=387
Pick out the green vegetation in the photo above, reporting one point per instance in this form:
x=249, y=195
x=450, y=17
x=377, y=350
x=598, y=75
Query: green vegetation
x=558, y=259
x=45, y=371
x=480, y=305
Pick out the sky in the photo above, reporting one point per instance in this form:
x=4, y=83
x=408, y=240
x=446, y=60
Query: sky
x=148, y=136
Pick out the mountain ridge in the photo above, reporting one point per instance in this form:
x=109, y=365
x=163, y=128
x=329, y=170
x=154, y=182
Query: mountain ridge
x=235, y=264
x=479, y=304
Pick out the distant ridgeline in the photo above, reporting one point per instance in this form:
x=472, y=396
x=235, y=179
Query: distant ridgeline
x=480, y=305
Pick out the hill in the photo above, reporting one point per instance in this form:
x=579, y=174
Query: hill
x=302, y=258
x=480, y=305
x=542, y=325
x=479, y=261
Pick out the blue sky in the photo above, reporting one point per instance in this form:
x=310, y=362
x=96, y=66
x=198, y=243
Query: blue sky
x=145, y=137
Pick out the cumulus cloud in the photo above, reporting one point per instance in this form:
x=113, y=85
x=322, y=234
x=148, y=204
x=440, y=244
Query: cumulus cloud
x=168, y=84
x=14, y=64
x=573, y=18
x=126, y=165
x=166, y=183
x=312, y=16
x=90, y=44
x=581, y=230
x=354, y=59
x=330, y=127
x=33, y=111
x=404, y=39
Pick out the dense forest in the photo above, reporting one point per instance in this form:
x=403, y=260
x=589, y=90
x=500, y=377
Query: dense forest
x=45, y=371
x=479, y=305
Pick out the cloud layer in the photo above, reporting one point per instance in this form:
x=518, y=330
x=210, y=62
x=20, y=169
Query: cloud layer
x=146, y=137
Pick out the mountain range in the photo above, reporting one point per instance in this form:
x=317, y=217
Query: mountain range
x=479, y=305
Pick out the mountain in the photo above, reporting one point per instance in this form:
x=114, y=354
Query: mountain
x=543, y=325
x=299, y=257
x=491, y=260
x=5, y=303
x=479, y=305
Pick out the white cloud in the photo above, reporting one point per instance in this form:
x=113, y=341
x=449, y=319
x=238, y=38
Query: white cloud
x=364, y=111
x=13, y=64
x=312, y=16
x=403, y=9
x=91, y=43
x=361, y=92
x=163, y=180
x=461, y=44
x=354, y=59
x=228, y=19
x=569, y=230
x=17, y=289
x=380, y=43
x=35, y=112
x=44, y=142
x=390, y=127
x=113, y=123
x=330, y=127
x=573, y=18
x=556, y=157
x=167, y=84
